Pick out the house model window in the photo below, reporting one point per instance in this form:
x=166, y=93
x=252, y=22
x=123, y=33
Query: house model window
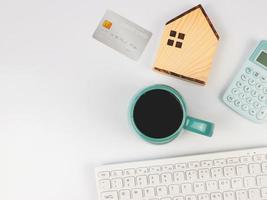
x=188, y=45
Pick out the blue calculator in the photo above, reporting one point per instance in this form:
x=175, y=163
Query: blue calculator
x=247, y=94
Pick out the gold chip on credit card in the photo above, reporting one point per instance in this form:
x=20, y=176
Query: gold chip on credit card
x=107, y=24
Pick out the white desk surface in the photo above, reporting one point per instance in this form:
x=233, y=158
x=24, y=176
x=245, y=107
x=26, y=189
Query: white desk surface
x=64, y=96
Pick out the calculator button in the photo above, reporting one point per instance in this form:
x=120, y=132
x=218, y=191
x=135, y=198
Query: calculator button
x=256, y=105
x=259, y=86
x=261, y=97
x=262, y=113
x=235, y=91
x=242, y=96
x=249, y=100
x=251, y=81
x=246, y=88
x=230, y=98
x=245, y=107
x=263, y=79
x=256, y=74
x=248, y=70
x=252, y=112
x=244, y=77
x=239, y=84
x=265, y=90
x=253, y=93
x=237, y=103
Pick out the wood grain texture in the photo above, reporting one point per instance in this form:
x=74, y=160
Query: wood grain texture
x=194, y=59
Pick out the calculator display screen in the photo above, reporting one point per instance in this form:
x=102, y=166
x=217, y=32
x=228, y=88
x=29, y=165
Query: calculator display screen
x=262, y=59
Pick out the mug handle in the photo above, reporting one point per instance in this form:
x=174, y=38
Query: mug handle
x=199, y=126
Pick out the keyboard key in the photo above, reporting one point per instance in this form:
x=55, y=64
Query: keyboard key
x=103, y=175
x=174, y=190
x=206, y=163
x=204, y=174
x=242, y=195
x=244, y=77
x=161, y=190
x=116, y=183
x=115, y=174
x=252, y=112
x=136, y=193
x=250, y=182
x=142, y=171
x=141, y=181
x=229, y=171
x=154, y=179
x=155, y=169
x=248, y=70
x=245, y=159
x=178, y=198
x=168, y=168
x=264, y=192
x=253, y=194
x=264, y=167
x=254, y=168
x=251, y=82
x=129, y=172
x=232, y=160
x=263, y=79
x=245, y=107
x=246, y=89
x=256, y=74
x=149, y=192
x=219, y=162
x=191, y=175
x=261, y=98
x=166, y=178
x=216, y=196
x=230, y=98
x=224, y=184
x=211, y=186
x=194, y=165
x=254, y=93
x=186, y=188
x=236, y=183
x=216, y=172
x=180, y=166
x=242, y=170
x=229, y=195
x=129, y=182
x=104, y=185
x=191, y=197
x=262, y=181
x=124, y=195
x=262, y=113
x=199, y=187
x=203, y=197
x=259, y=158
x=178, y=177
x=109, y=196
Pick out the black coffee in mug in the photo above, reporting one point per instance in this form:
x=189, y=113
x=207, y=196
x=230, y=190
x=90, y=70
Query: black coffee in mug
x=158, y=113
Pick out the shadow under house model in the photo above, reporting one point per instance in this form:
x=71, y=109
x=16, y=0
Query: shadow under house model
x=188, y=46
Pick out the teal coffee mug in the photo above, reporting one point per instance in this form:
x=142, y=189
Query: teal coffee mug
x=158, y=114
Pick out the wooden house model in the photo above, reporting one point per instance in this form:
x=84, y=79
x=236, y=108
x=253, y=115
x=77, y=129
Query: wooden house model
x=188, y=46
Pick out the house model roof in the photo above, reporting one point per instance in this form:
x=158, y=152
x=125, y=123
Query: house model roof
x=188, y=46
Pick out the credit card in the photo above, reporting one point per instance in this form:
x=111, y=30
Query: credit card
x=122, y=35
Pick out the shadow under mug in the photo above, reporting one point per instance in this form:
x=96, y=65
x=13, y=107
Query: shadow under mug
x=189, y=123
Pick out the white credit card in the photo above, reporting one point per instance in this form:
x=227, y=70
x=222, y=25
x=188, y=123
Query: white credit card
x=122, y=35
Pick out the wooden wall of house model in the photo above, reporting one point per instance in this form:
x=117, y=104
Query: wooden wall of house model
x=188, y=46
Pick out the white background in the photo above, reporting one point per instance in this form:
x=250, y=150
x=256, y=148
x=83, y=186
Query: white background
x=64, y=96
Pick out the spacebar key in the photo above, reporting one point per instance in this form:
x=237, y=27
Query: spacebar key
x=109, y=196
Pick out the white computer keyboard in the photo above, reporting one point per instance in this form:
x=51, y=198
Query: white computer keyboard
x=234, y=175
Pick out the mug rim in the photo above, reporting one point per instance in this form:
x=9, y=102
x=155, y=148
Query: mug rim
x=159, y=87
